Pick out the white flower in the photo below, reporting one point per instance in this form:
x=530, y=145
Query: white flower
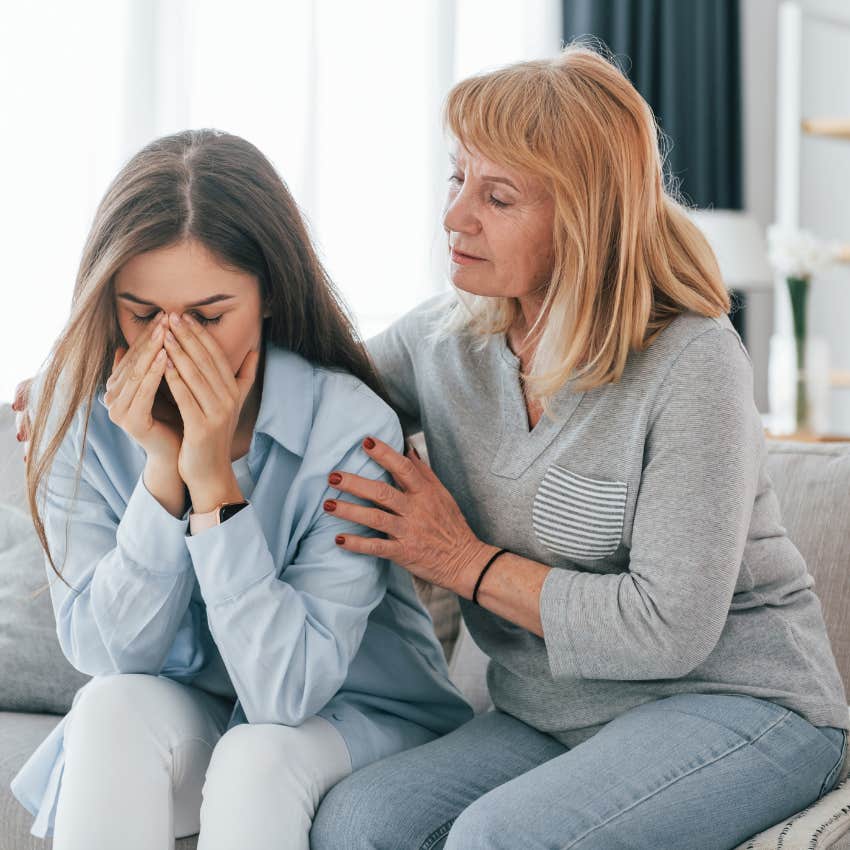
x=797, y=253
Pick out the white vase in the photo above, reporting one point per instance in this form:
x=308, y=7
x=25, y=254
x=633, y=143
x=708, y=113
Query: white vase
x=782, y=384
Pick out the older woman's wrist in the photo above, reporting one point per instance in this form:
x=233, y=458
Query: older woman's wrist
x=479, y=553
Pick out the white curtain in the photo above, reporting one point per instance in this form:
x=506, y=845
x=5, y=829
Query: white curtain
x=344, y=98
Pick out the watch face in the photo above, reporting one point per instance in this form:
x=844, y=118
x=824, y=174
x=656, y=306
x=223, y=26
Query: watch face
x=228, y=510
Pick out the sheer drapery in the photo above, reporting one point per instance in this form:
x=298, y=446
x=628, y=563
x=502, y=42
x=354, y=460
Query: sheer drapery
x=343, y=97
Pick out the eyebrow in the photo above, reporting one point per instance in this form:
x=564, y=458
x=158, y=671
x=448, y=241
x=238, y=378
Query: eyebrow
x=128, y=296
x=491, y=178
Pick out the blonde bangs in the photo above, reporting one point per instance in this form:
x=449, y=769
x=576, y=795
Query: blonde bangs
x=627, y=258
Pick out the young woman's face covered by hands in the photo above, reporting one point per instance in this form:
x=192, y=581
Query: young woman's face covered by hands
x=187, y=278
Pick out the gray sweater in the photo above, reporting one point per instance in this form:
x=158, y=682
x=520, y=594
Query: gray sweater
x=650, y=499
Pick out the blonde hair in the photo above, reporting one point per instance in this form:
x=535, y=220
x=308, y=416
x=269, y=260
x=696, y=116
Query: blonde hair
x=627, y=258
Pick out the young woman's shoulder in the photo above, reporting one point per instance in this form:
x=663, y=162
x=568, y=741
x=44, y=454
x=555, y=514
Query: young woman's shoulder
x=345, y=408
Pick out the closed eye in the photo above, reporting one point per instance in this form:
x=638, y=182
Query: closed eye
x=141, y=320
x=492, y=199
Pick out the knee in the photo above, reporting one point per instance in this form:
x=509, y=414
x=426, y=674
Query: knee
x=108, y=706
x=353, y=815
x=245, y=756
x=484, y=826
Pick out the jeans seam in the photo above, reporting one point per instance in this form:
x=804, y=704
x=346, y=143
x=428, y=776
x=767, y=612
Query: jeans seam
x=830, y=777
x=613, y=817
x=437, y=834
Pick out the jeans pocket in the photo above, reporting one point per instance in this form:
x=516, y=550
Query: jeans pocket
x=833, y=774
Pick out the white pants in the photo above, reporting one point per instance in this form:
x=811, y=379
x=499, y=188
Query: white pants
x=147, y=760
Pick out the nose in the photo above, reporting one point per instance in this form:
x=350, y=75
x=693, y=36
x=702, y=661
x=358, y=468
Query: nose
x=459, y=215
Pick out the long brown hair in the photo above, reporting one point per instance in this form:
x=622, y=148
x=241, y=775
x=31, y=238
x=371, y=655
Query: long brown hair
x=221, y=190
x=627, y=257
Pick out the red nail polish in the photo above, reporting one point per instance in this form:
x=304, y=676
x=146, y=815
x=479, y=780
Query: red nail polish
x=339, y=540
x=19, y=437
x=334, y=478
x=369, y=443
x=330, y=505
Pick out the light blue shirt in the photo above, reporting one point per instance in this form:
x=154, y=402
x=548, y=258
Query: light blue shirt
x=265, y=607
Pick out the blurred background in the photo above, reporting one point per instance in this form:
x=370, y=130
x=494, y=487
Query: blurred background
x=344, y=98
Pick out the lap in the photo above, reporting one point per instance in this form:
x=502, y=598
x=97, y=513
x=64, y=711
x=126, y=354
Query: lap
x=671, y=772
x=419, y=792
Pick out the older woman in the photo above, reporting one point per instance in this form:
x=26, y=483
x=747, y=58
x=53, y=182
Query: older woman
x=598, y=500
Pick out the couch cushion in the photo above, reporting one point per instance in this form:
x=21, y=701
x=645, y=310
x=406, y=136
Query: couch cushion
x=34, y=674
x=20, y=734
x=812, y=481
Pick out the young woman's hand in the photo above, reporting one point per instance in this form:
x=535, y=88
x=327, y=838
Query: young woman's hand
x=210, y=400
x=130, y=396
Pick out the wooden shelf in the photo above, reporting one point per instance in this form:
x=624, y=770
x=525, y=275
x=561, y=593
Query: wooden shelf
x=801, y=437
x=833, y=128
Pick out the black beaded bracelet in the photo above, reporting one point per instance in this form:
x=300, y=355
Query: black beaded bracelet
x=481, y=574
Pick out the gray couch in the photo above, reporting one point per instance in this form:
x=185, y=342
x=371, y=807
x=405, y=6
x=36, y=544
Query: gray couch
x=37, y=684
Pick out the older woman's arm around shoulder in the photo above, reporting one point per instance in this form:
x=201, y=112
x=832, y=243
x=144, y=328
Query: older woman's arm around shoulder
x=663, y=616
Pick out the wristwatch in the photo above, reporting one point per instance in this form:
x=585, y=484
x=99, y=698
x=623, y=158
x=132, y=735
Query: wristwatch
x=221, y=512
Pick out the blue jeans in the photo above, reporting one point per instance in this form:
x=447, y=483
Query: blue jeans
x=690, y=772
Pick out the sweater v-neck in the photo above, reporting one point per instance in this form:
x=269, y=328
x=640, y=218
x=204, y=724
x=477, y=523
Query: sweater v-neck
x=519, y=447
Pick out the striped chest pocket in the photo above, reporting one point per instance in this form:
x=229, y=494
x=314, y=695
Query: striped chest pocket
x=579, y=517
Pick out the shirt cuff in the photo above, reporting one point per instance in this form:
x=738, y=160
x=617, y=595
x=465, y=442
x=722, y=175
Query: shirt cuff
x=231, y=556
x=556, y=617
x=150, y=535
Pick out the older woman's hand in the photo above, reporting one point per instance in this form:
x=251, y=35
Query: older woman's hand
x=426, y=532
x=20, y=405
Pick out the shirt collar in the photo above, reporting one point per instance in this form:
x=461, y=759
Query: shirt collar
x=286, y=405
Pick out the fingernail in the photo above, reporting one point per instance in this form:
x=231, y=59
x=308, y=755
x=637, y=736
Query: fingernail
x=330, y=505
x=339, y=539
x=160, y=355
x=369, y=443
x=189, y=319
x=157, y=334
x=15, y=406
x=19, y=437
x=334, y=478
x=175, y=318
x=169, y=336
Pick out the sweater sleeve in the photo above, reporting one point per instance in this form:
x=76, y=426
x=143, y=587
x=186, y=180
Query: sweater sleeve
x=663, y=617
x=393, y=353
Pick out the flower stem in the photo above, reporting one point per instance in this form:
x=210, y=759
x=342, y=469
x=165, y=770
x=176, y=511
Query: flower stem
x=798, y=289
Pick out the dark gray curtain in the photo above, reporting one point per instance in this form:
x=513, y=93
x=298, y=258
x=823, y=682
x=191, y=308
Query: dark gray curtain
x=683, y=57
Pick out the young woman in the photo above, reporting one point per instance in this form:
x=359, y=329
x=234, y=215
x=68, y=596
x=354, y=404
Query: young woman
x=659, y=663
x=183, y=431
